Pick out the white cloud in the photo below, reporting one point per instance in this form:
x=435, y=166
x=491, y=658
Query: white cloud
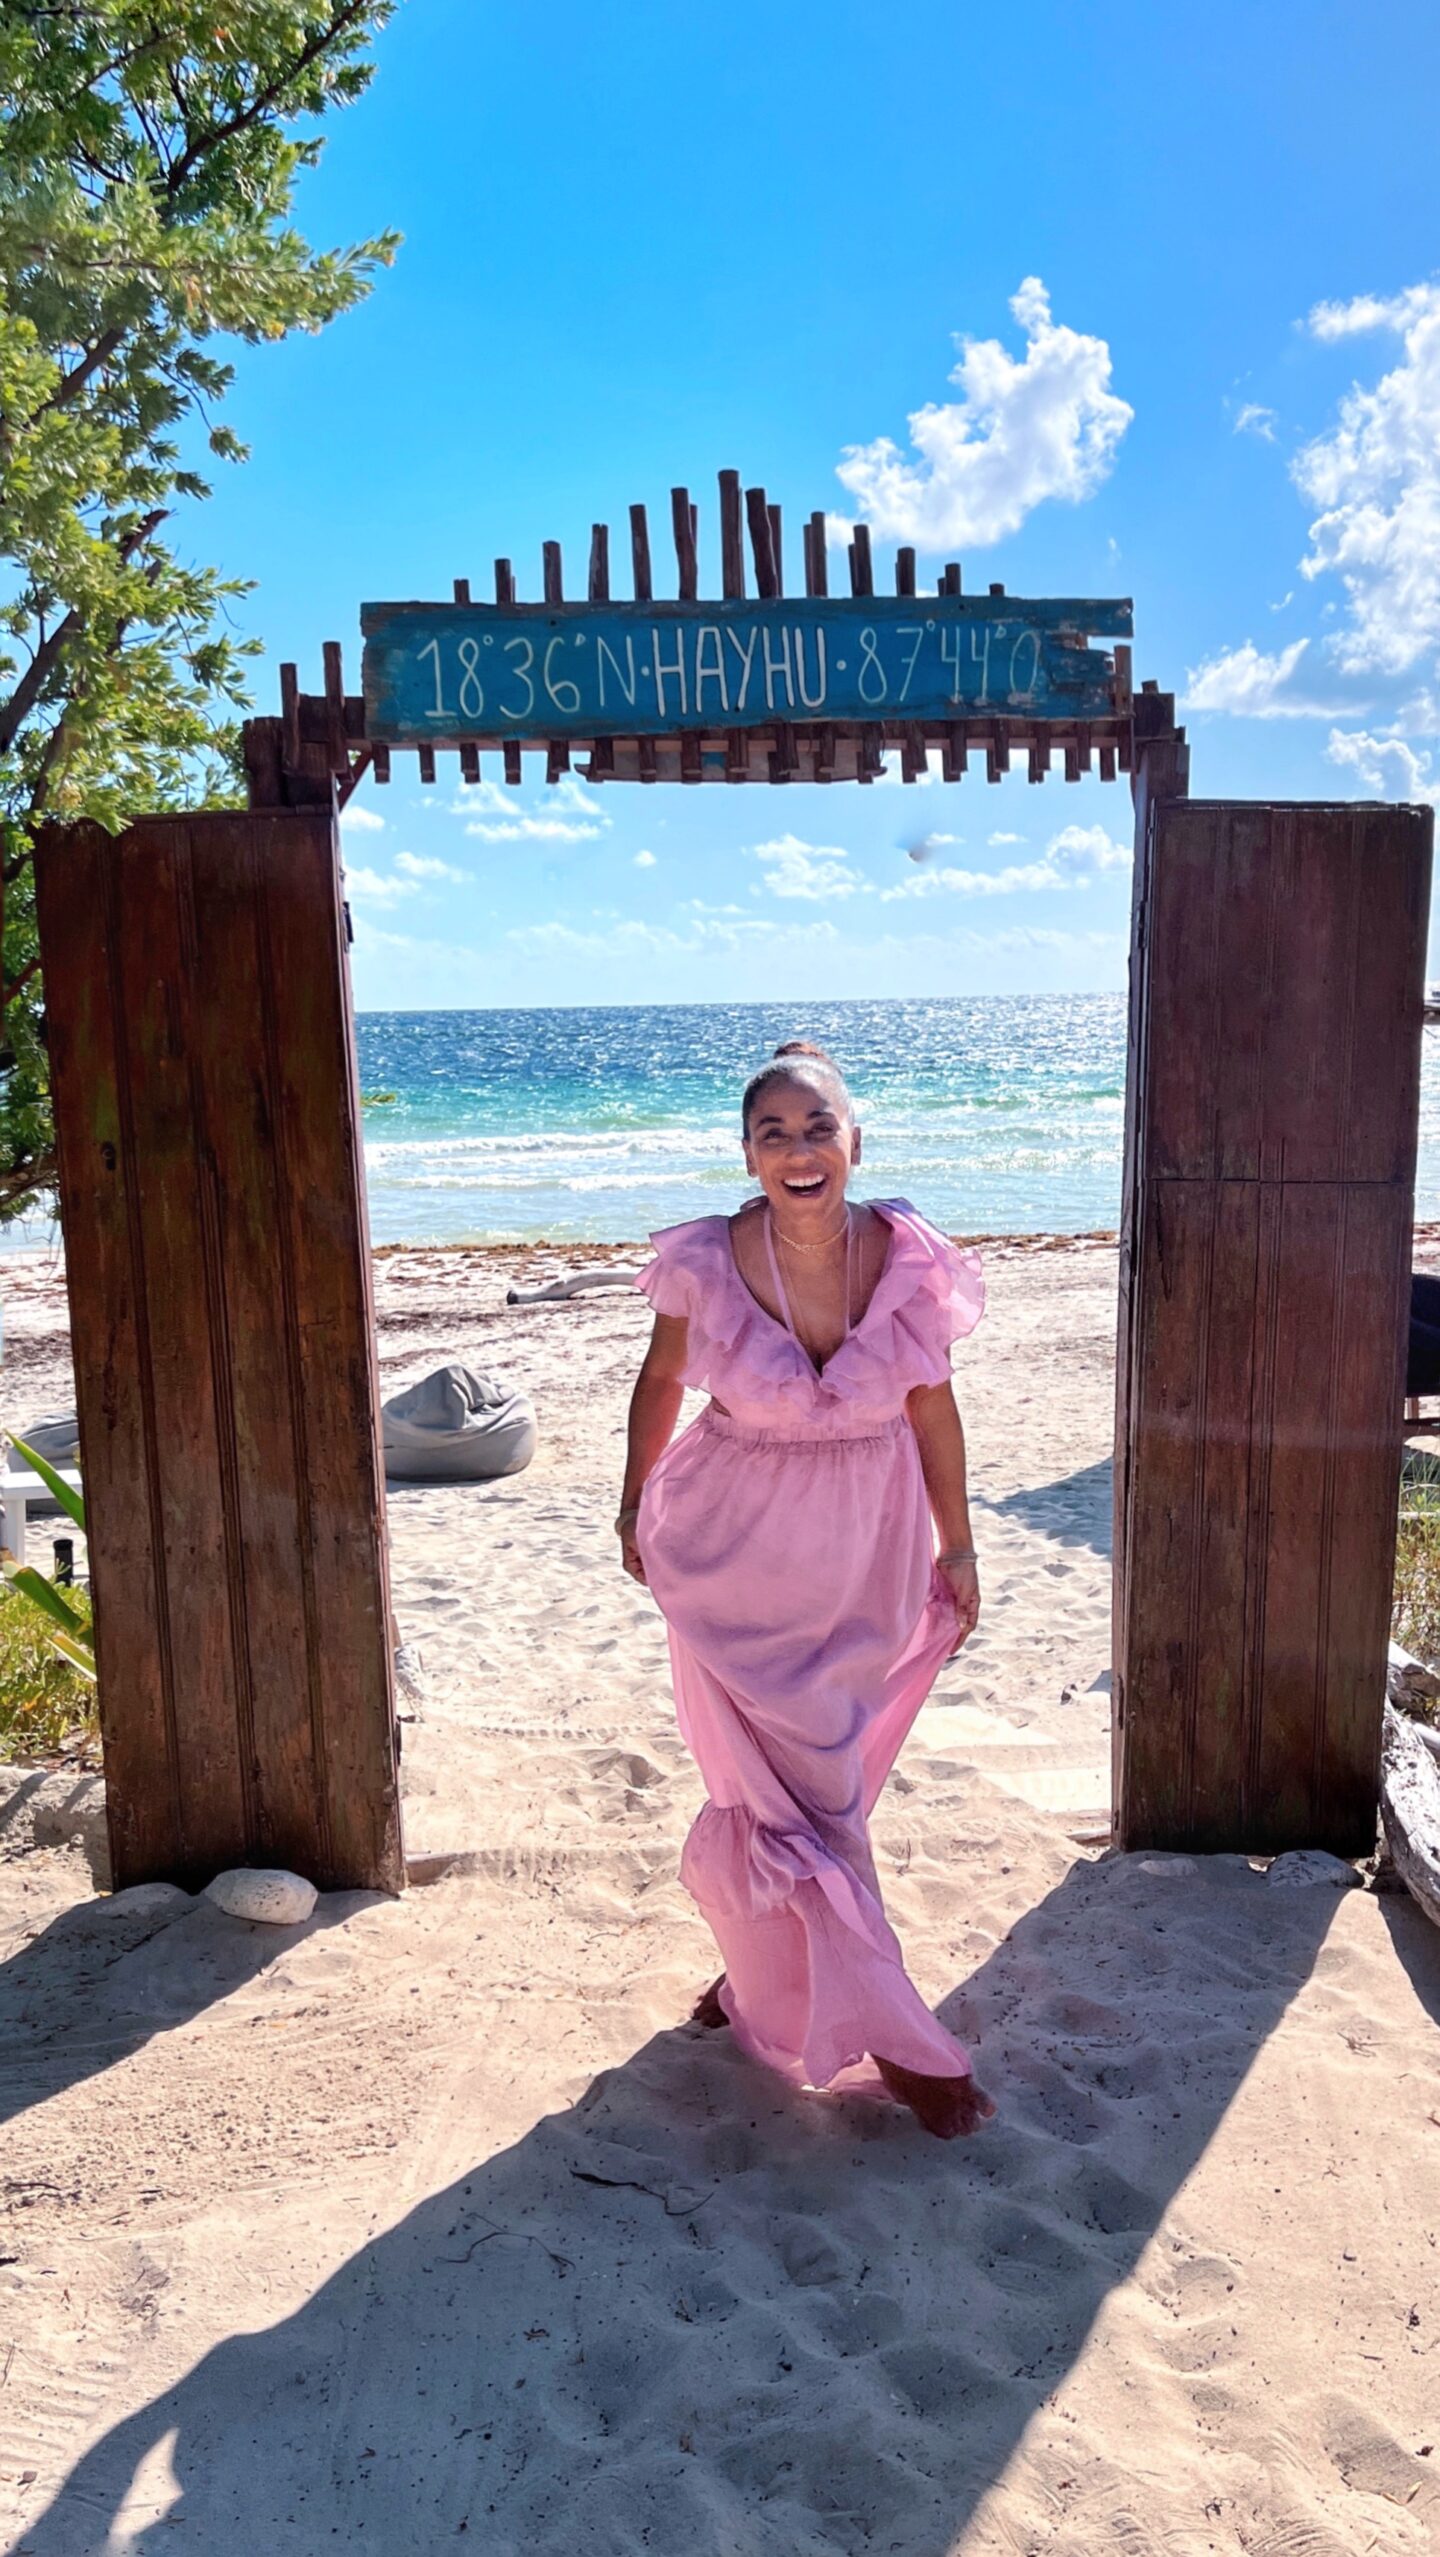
x=1376, y=480
x=358, y=820
x=1387, y=764
x=813, y=871
x=647, y=940
x=569, y=813
x=422, y=865
x=644, y=861
x=1004, y=838
x=1045, y=426
x=1252, y=419
x=1017, y=880
x=360, y=882
x=1088, y=848
x=1250, y=685
x=1070, y=858
x=1367, y=312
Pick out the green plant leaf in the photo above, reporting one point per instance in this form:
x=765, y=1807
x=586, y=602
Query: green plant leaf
x=43, y=1594
x=79, y=1659
x=65, y=1493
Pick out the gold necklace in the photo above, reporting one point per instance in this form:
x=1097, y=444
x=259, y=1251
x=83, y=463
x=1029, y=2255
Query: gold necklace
x=822, y=1246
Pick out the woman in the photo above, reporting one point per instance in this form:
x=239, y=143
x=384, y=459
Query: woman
x=787, y=1539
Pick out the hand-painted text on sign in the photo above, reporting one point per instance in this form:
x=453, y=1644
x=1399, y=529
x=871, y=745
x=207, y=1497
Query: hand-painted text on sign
x=441, y=672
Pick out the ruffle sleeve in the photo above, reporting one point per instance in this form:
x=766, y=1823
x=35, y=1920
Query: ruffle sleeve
x=932, y=1294
x=681, y=1280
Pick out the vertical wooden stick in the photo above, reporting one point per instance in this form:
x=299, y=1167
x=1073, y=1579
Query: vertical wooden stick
x=505, y=594
x=905, y=572
x=766, y=582
x=817, y=562
x=682, y=517
x=557, y=755
x=640, y=555
x=469, y=755
x=862, y=570
x=732, y=542
x=602, y=749
x=732, y=584
x=336, y=742
x=777, y=550
x=290, y=715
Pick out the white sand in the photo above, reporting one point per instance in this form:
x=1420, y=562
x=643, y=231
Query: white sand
x=432, y=2223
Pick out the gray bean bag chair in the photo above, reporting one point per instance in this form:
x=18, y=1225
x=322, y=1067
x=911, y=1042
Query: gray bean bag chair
x=56, y=1438
x=456, y=1427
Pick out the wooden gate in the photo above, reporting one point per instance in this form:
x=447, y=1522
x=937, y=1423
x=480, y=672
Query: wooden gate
x=211, y=1183
x=1276, y=991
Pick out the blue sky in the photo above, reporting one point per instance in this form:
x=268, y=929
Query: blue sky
x=1164, y=280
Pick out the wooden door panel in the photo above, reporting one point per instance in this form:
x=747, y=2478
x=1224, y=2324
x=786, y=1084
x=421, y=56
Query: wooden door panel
x=1277, y=981
x=217, y=1259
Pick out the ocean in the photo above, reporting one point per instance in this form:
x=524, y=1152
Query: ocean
x=995, y=1114
x=998, y=1115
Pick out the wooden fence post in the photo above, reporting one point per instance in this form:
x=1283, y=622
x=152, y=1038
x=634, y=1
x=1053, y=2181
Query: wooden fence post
x=217, y=1260
x=1275, y=1016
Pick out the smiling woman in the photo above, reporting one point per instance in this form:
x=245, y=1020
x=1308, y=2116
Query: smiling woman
x=790, y=1539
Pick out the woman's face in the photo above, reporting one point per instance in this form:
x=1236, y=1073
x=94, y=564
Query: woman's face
x=801, y=1149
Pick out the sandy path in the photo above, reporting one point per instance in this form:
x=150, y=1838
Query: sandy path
x=431, y=2224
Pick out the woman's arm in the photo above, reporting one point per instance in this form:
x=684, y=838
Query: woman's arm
x=654, y=1410
x=935, y=1419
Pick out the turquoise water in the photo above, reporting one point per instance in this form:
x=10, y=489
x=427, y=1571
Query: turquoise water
x=996, y=1115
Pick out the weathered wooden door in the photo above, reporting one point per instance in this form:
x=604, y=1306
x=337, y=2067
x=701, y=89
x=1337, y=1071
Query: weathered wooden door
x=1276, y=991
x=211, y=1182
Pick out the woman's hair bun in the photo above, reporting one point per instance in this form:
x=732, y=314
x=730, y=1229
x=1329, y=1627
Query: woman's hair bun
x=785, y=1066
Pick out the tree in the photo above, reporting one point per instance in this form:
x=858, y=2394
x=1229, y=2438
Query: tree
x=148, y=160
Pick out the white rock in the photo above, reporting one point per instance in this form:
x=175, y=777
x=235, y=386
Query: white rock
x=1168, y=1864
x=1304, y=1866
x=151, y=1899
x=275, y=1899
x=411, y=1685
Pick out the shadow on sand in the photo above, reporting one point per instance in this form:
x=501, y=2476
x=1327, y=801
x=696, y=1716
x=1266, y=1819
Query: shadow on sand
x=701, y=2316
x=1076, y=1510
x=101, y=1979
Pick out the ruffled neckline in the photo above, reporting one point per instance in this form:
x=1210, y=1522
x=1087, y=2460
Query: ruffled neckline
x=883, y=1208
x=892, y=1342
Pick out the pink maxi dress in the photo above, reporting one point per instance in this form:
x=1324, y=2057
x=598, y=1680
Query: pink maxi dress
x=788, y=1543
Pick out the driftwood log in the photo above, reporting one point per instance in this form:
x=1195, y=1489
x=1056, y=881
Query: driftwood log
x=1410, y=1806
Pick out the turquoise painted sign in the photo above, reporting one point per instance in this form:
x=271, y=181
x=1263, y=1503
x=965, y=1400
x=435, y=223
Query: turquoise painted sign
x=437, y=674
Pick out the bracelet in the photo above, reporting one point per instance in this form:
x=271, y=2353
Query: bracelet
x=624, y=1516
x=958, y=1554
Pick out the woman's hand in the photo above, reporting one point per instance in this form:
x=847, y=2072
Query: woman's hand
x=629, y=1551
x=962, y=1578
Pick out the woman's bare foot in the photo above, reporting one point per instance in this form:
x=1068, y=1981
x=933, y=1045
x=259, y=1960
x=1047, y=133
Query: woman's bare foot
x=952, y=2108
x=707, y=2009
